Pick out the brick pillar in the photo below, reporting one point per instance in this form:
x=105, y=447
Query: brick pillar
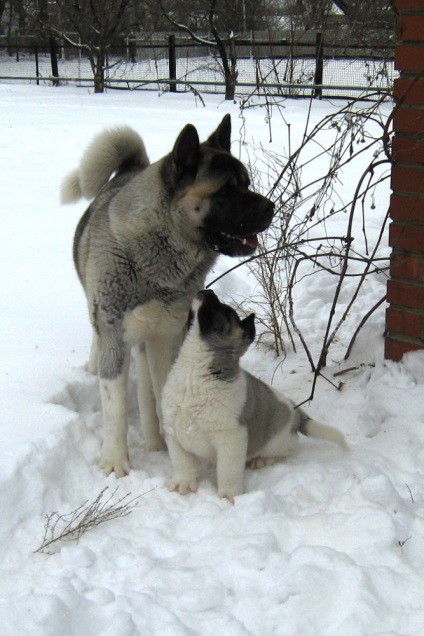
x=405, y=288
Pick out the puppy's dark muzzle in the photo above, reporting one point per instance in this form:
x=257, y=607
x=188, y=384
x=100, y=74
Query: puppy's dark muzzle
x=206, y=295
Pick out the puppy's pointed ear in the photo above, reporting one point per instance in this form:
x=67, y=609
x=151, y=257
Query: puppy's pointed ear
x=249, y=329
x=186, y=154
x=221, y=138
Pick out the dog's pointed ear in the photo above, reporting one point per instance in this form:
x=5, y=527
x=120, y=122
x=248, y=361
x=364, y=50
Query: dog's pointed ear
x=186, y=153
x=221, y=138
x=249, y=329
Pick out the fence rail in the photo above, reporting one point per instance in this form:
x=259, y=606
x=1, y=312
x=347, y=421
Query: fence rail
x=276, y=66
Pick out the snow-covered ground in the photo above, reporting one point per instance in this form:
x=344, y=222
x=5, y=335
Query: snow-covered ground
x=324, y=544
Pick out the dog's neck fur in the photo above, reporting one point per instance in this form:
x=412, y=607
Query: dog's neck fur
x=219, y=363
x=224, y=364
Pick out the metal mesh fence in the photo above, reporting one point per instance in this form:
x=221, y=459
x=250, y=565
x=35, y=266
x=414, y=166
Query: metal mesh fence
x=276, y=66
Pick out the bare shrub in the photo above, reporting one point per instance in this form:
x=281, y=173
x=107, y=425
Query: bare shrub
x=305, y=182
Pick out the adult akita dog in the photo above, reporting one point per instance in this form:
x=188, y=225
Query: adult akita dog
x=142, y=251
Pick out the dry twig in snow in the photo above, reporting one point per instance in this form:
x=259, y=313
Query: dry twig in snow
x=70, y=526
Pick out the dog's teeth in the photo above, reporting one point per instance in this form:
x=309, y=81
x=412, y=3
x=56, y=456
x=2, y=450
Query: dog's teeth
x=244, y=241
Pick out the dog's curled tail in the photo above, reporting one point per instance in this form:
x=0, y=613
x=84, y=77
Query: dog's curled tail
x=312, y=428
x=109, y=151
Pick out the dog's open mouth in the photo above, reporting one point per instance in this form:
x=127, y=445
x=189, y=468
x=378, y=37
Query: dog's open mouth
x=234, y=245
x=251, y=242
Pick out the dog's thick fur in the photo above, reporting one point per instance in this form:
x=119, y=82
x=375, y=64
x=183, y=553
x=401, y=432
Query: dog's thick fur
x=214, y=410
x=142, y=250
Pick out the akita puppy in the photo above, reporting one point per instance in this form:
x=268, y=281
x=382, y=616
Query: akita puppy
x=214, y=410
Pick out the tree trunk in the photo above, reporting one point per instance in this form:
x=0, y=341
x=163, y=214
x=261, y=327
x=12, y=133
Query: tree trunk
x=230, y=86
x=99, y=72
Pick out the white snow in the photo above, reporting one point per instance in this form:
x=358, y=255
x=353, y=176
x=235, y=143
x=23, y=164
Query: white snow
x=324, y=544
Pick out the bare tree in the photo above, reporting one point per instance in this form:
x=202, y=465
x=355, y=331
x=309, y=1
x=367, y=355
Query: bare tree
x=227, y=56
x=369, y=20
x=92, y=27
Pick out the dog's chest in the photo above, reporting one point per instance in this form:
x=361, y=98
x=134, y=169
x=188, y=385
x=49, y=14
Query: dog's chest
x=196, y=406
x=153, y=318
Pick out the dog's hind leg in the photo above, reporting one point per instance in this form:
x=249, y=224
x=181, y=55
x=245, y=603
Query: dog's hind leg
x=278, y=448
x=147, y=402
x=161, y=353
x=94, y=354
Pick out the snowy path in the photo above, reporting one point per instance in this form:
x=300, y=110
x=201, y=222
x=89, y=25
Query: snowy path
x=325, y=544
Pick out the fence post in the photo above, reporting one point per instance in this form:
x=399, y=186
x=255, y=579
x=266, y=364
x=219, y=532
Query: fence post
x=319, y=65
x=405, y=288
x=172, y=58
x=37, y=66
x=53, y=58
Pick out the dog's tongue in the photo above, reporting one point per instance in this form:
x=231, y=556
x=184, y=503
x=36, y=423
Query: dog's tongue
x=250, y=241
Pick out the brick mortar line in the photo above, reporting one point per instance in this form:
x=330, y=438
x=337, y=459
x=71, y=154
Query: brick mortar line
x=406, y=310
x=407, y=281
x=412, y=224
x=402, y=251
x=399, y=337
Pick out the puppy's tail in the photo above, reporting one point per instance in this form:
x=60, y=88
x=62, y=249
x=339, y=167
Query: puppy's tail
x=312, y=428
x=111, y=150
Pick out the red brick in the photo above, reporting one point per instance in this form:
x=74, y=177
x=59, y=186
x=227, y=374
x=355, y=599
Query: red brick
x=408, y=178
x=405, y=295
x=409, y=148
x=402, y=5
x=404, y=322
x=409, y=57
x=405, y=266
x=409, y=91
x=395, y=349
x=407, y=208
x=410, y=27
x=408, y=119
x=406, y=237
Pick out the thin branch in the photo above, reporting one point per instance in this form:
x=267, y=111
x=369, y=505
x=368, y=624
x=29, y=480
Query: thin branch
x=184, y=27
x=70, y=526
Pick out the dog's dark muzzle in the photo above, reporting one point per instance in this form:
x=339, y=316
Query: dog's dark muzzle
x=254, y=216
x=265, y=209
x=235, y=220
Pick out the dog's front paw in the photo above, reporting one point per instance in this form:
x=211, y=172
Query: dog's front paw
x=257, y=463
x=183, y=486
x=118, y=465
x=223, y=494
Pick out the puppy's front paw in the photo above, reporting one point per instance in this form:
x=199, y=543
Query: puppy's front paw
x=183, y=486
x=229, y=498
x=118, y=465
x=260, y=462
